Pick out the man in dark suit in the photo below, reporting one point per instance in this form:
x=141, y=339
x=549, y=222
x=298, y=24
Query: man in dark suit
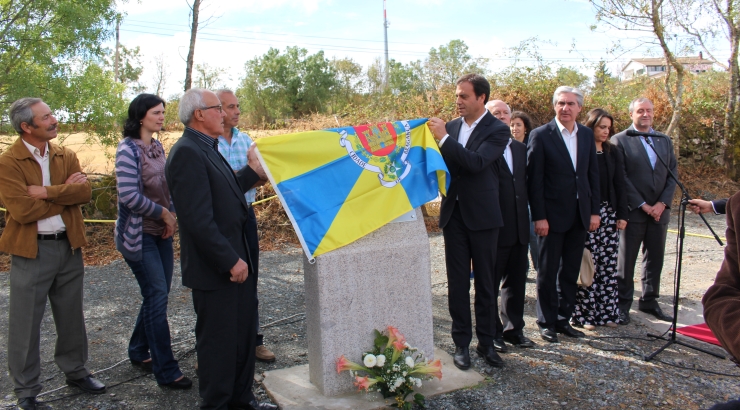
x=718, y=206
x=212, y=216
x=649, y=195
x=511, y=254
x=470, y=217
x=563, y=179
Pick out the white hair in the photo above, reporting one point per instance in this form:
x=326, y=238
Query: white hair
x=565, y=89
x=490, y=104
x=192, y=100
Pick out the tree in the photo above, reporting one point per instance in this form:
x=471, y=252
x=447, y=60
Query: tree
x=52, y=49
x=446, y=65
x=194, y=12
x=571, y=77
x=654, y=17
x=129, y=68
x=705, y=21
x=291, y=84
x=160, y=74
x=208, y=77
x=349, y=80
x=602, y=77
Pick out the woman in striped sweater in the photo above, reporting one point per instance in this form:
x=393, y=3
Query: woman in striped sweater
x=144, y=229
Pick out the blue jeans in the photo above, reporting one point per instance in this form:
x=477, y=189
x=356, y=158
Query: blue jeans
x=151, y=337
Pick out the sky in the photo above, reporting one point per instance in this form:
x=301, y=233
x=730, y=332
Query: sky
x=235, y=31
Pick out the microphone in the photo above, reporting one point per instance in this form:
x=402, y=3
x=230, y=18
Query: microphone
x=635, y=133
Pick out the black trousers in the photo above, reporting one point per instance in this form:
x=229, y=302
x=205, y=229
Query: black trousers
x=225, y=335
x=651, y=237
x=461, y=246
x=557, y=277
x=511, y=267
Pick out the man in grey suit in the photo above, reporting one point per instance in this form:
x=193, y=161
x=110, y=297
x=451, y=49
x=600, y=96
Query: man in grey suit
x=649, y=195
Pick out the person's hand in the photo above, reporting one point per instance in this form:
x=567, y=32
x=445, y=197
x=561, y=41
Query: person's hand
x=541, y=227
x=37, y=192
x=437, y=127
x=254, y=162
x=76, y=178
x=700, y=206
x=239, y=272
x=170, y=223
x=658, y=211
x=621, y=224
x=647, y=209
x=595, y=222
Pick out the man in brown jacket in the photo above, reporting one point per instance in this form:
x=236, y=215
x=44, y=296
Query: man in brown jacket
x=722, y=299
x=42, y=187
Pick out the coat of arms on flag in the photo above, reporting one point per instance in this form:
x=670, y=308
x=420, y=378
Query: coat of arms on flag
x=340, y=184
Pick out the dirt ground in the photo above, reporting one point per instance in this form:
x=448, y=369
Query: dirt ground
x=605, y=370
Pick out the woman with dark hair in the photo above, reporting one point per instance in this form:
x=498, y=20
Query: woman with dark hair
x=144, y=229
x=520, y=126
x=598, y=304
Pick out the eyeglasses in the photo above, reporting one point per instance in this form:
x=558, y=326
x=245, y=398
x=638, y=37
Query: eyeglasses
x=213, y=106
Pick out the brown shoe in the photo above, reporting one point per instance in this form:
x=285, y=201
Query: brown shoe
x=263, y=354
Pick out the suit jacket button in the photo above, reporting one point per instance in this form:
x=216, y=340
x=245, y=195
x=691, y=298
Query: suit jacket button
x=517, y=197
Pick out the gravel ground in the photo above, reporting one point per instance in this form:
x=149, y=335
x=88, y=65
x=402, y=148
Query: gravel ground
x=605, y=370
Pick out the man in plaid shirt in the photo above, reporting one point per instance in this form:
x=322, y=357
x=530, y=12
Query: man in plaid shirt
x=233, y=145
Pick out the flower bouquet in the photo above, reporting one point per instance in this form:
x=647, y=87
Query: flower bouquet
x=393, y=368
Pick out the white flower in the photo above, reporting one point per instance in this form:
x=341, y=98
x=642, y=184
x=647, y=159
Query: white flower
x=409, y=362
x=370, y=360
x=380, y=360
x=418, y=382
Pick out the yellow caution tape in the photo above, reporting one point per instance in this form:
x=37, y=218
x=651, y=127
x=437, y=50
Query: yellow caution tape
x=108, y=221
x=698, y=235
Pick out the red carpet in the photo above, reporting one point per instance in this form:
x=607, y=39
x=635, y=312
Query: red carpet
x=699, y=332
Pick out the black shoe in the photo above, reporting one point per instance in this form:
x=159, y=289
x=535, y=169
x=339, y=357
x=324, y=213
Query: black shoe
x=489, y=353
x=658, y=313
x=549, y=335
x=145, y=366
x=568, y=330
x=88, y=384
x=499, y=345
x=182, y=384
x=519, y=340
x=462, y=358
x=27, y=403
x=255, y=405
x=624, y=318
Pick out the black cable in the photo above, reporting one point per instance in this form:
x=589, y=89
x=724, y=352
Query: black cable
x=642, y=356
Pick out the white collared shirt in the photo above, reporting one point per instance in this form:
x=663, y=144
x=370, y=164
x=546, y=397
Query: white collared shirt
x=509, y=157
x=52, y=224
x=465, y=131
x=571, y=141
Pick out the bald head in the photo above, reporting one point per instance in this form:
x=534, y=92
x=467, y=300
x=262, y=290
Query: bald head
x=500, y=110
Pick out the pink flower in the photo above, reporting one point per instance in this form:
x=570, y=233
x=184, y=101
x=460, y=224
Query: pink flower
x=364, y=383
x=344, y=364
x=433, y=368
x=396, y=339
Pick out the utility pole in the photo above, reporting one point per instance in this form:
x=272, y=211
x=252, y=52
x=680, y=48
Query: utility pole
x=385, y=31
x=118, y=46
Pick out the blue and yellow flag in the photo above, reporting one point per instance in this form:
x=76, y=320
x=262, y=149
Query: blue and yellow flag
x=338, y=185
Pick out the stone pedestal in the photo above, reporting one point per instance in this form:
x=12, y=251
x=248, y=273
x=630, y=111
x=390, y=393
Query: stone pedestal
x=380, y=280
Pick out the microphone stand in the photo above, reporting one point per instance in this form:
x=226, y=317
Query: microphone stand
x=682, y=233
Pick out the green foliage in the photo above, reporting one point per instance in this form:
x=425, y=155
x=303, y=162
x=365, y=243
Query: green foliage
x=52, y=49
x=571, y=77
x=208, y=77
x=282, y=85
x=446, y=65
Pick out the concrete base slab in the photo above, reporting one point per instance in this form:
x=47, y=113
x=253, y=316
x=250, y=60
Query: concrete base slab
x=291, y=389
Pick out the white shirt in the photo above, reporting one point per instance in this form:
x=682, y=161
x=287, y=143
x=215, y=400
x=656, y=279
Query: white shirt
x=52, y=224
x=508, y=157
x=465, y=131
x=571, y=141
